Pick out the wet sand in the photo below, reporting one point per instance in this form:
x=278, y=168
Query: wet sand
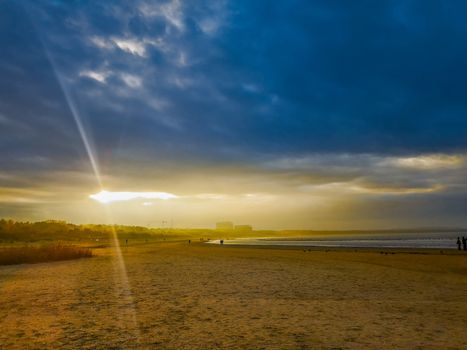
x=181, y=296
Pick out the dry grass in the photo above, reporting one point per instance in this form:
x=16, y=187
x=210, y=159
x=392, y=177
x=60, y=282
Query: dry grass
x=44, y=253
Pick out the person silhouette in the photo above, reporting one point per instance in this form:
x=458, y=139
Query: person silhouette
x=458, y=243
x=464, y=243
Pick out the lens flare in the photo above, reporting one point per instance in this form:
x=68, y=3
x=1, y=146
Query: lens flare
x=122, y=285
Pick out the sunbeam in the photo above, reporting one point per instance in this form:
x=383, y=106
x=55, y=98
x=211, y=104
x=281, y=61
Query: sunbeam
x=124, y=296
x=77, y=118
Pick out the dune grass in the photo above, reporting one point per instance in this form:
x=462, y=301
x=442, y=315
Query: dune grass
x=44, y=253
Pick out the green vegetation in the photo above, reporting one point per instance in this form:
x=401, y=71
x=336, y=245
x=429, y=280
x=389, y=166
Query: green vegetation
x=44, y=253
x=51, y=230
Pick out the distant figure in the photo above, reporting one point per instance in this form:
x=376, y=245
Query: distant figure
x=222, y=242
x=126, y=242
x=189, y=241
x=464, y=243
x=458, y=243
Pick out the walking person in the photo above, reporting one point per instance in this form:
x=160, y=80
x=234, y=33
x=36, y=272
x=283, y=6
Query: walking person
x=464, y=243
x=458, y=243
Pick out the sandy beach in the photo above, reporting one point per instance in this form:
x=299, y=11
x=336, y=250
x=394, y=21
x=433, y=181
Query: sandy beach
x=198, y=296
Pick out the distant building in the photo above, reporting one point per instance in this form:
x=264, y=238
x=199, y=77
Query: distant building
x=225, y=226
x=243, y=228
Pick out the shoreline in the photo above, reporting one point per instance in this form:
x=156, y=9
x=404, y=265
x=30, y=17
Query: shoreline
x=433, y=251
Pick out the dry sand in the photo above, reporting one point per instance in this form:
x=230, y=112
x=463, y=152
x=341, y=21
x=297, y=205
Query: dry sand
x=181, y=296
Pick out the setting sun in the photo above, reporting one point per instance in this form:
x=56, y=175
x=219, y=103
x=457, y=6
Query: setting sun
x=109, y=197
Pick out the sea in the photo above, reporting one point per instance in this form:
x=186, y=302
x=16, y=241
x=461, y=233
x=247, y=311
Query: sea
x=433, y=240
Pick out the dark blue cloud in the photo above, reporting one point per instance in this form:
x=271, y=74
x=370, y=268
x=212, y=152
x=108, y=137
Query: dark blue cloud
x=366, y=76
x=240, y=80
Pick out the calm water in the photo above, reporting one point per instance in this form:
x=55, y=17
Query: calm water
x=439, y=240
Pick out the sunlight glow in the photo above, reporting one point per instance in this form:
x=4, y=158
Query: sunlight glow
x=396, y=190
x=436, y=161
x=108, y=197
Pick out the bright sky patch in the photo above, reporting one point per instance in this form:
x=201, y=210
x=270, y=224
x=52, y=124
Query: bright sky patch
x=108, y=197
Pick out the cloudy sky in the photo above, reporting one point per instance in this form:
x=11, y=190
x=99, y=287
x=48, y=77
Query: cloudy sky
x=282, y=114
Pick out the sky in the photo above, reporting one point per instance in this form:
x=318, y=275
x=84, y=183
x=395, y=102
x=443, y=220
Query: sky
x=300, y=114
